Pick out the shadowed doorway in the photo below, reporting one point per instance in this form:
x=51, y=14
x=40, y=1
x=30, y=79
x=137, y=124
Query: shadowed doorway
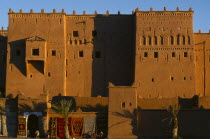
x=32, y=125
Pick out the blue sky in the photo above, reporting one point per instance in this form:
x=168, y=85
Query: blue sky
x=201, y=8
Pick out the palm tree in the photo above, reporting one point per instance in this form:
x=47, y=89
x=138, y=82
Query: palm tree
x=64, y=108
x=174, y=111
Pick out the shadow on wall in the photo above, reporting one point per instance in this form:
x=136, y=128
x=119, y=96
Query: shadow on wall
x=35, y=107
x=113, y=53
x=130, y=116
x=17, y=55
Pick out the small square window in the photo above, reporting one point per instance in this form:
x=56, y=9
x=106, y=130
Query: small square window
x=53, y=53
x=155, y=54
x=185, y=54
x=81, y=54
x=75, y=34
x=31, y=76
x=173, y=54
x=98, y=54
x=145, y=54
x=35, y=52
x=94, y=33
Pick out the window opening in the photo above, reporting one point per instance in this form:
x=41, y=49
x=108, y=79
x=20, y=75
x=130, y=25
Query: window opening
x=173, y=54
x=183, y=40
x=189, y=40
x=49, y=74
x=172, y=40
x=144, y=40
x=172, y=78
x=185, y=54
x=75, y=34
x=81, y=54
x=184, y=78
x=53, y=53
x=161, y=40
x=155, y=54
x=35, y=52
x=178, y=39
x=150, y=40
x=145, y=54
x=155, y=39
x=123, y=105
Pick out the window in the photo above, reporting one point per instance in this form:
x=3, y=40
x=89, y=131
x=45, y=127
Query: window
x=75, y=34
x=185, y=54
x=173, y=54
x=97, y=54
x=172, y=40
x=178, y=39
x=153, y=80
x=144, y=40
x=145, y=54
x=183, y=40
x=184, y=78
x=53, y=53
x=75, y=42
x=155, y=54
x=123, y=105
x=35, y=52
x=49, y=74
x=81, y=54
x=161, y=40
x=31, y=76
x=18, y=53
x=150, y=40
x=172, y=78
x=155, y=40
x=189, y=40
x=94, y=33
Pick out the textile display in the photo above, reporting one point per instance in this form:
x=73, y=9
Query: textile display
x=89, y=124
x=60, y=127
x=77, y=126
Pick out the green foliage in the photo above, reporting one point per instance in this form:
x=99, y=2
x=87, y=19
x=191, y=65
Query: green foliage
x=64, y=107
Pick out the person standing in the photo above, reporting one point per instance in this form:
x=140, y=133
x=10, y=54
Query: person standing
x=37, y=133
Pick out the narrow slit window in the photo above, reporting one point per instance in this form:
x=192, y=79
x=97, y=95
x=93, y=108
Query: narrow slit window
x=184, y=78
x=150, y=40
x=189, y=40
x=172, y=78
x=161, y=40
x=123, y=105
x=144, y=40
x=178, y=39
x=153, y=80
x=145, y=54
x=81, y=54
x=172, y=40
x=49, y=74
x=155, y=40
x=75, y=34
x=183, y=40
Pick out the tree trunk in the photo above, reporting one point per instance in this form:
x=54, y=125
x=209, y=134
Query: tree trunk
x=4, y=125
x=66, y=131
x=175, y=132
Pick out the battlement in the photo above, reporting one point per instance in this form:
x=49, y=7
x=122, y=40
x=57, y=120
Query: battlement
x=137, y=10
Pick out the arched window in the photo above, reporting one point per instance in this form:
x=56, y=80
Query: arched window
x=178, y=39
x=172, y=40
x=189, y=40
x=144, y=40
x=155, y=40
x=150, y=40
x=161, y=40
x=183, y=40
